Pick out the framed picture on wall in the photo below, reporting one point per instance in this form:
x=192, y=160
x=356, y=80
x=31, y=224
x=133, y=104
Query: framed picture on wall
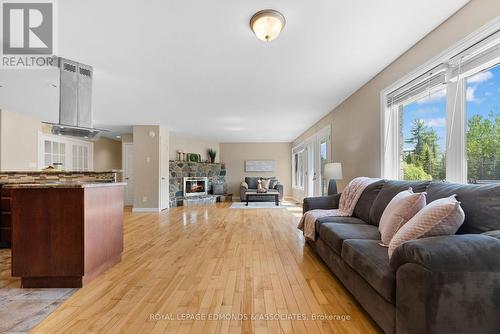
x=260, y=165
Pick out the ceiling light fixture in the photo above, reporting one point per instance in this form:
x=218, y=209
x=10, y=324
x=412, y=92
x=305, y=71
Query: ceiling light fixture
x=267, y=24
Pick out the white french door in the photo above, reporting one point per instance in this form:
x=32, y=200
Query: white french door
x=318, y=154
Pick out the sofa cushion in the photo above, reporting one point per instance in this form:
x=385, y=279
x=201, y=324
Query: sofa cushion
x=370, y=261
x=391, y=189
x=341, y=220
x=481, y=204
x=334, y=234
x=253, y=182
x=365, y=201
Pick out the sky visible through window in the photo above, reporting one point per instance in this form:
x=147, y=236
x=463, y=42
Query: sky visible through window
x=483, y=97
x=483, y=93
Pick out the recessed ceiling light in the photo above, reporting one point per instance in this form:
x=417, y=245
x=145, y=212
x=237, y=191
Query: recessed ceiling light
x=267, y=24
x=118, y=137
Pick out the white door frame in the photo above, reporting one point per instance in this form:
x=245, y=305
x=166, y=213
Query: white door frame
x=129, y=198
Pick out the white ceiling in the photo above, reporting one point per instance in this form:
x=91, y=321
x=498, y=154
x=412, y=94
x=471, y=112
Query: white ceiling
x=195, y=66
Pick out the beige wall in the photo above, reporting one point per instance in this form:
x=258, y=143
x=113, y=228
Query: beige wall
x=355, y=123
x=192, y=145
x=235, y=154
x=18, y=142
x=107, y=154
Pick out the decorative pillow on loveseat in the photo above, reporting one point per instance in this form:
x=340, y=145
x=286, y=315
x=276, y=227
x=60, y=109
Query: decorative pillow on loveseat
x=265, y=183
x=399, y=211
x=441, y=217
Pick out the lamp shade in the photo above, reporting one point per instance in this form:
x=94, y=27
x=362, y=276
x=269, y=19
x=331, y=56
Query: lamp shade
x=333, y=170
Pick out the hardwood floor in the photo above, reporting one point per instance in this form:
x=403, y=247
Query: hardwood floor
x=206, y=260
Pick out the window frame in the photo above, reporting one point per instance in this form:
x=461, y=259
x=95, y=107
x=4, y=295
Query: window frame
x=69, y=143
x=456, y=154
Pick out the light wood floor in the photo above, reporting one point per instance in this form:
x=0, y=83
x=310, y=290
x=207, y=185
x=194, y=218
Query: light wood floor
x=200, y=261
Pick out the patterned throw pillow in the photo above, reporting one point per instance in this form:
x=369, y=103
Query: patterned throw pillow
x=265, y=183
x=273, y=183
x=400, y=210
x=441, y=217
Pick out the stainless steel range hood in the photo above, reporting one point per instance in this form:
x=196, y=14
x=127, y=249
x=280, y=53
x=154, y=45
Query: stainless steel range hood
x=75, y=100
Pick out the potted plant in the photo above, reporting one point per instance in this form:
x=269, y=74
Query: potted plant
x=212, y=154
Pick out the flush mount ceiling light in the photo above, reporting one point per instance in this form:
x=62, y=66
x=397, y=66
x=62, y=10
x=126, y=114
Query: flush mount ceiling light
x=267, y=24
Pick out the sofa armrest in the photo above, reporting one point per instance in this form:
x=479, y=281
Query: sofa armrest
x=448, y=284
x=452, y=253
x=279, y=187
x=243, y=191
x=321, y=202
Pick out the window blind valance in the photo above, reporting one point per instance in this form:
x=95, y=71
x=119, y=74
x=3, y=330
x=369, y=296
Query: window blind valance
x=425, y=83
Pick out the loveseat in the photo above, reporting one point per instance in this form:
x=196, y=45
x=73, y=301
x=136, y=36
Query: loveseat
x=444, y=284
x=251, y=183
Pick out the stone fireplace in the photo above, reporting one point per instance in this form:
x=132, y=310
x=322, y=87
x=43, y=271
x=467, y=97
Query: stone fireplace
x=215, y=174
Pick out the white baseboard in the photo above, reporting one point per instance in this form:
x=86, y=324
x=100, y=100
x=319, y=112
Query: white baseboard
x=138, y=210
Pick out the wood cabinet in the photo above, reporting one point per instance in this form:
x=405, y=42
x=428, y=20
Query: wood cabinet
x=5, y=218
x=65, y=236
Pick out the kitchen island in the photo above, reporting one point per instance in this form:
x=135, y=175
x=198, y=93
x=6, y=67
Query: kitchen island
x=64, y=234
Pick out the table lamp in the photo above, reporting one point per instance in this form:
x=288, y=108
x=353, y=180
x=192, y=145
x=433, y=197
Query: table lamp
x=333, y=172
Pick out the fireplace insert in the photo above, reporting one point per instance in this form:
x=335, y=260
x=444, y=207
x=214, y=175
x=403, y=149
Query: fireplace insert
x=195, y=186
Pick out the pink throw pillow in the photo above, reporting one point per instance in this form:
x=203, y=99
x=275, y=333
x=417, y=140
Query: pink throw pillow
x=398, y=212
x=440, y=217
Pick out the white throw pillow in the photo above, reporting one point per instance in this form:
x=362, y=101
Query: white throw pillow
x=265, y=183
x=441, y=217
x=400, y=210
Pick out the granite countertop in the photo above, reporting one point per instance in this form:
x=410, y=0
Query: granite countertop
x=63, y=185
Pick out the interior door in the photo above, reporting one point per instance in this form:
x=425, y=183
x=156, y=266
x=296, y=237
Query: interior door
x=128, y=163
x=164, y=173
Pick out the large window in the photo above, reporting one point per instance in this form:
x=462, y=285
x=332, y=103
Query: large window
x=423, y=132
x=443, y=121
x=299, y=168
x=483, y=126
x=72, y=154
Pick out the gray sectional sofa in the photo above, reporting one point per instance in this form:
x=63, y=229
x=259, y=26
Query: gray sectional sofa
x=446, y=284
x=251, y=184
